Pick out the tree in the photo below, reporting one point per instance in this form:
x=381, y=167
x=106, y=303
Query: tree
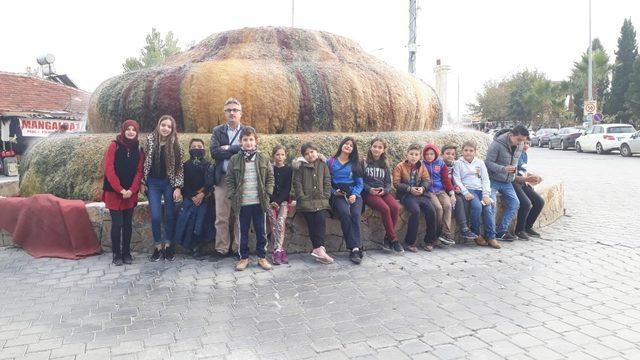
x=632, y=97
x=625, y=58
x=492, y=102
x=579, y=78
x=521, y=102
x=154, y=53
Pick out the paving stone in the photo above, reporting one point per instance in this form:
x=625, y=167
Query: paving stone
x=571, y=294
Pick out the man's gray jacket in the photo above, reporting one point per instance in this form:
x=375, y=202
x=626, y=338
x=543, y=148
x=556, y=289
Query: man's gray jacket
x=500, y=155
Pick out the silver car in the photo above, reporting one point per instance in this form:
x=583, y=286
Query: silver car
x=631, y=145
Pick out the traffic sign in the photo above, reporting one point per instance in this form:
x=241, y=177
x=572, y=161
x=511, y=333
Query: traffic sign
x=597, y=117
x=590, y=118
x=590, y=107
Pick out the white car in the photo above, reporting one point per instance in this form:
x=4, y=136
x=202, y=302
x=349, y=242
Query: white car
x=603, y=138
x=631, y=145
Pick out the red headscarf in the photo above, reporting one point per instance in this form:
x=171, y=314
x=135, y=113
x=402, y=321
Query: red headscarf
x=122, y=139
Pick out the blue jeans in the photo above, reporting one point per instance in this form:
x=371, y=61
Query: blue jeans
x=511, y=204
x=253, y=214
x=190, y=228
x=349, y=216
x=482, y=213
x=158, y=188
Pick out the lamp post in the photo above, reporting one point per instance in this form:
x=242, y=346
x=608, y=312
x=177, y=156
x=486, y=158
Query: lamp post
x=590, y=75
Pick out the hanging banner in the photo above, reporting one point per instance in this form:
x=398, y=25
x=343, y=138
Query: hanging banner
x=44, y=127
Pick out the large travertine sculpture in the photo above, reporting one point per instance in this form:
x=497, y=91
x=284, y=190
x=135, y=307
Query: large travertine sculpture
x=288, y=80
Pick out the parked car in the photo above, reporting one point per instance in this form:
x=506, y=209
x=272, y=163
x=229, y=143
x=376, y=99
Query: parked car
x=631, y=145
x=604, y=138
x=565, y=138
x=541, y=137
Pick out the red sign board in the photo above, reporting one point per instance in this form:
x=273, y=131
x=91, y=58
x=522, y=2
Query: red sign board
x=44, y=127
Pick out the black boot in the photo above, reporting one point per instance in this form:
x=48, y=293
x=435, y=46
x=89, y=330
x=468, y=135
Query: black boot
x=117, y=259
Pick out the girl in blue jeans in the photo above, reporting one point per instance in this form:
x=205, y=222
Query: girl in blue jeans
x=163, y=177
x=346, y=186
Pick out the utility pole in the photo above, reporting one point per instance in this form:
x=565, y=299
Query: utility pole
x=590, y=80
x=412, y=36
x=292, y=11
x=590, y=75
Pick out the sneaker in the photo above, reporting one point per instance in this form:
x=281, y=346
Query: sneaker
x=480, y=241
x=532, y=232
x=285, y=257
x=216, y=256
x=428, y=247
x=355, y=256
x=522, y=235
x=446, y=240
x=507, y=237
x=242, y=264
x=157, y=255
x=412, y=248
x=397, y=248
x=127, y=259
x=320, y=254
x=198, y=255
x=169, y=253
x=264, y=263
x=277, y=257
x=386, y=244
x=494, y=244
x=468, y=234
x=117, y=260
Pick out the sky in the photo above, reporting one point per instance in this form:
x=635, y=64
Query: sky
x=480, y=40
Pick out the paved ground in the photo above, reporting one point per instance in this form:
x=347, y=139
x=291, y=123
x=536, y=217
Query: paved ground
x=574, y=294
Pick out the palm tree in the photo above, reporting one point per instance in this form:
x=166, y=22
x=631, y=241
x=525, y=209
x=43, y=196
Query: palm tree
x=601, y=72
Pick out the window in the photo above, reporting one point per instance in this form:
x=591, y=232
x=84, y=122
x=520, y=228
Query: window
x=621, y=129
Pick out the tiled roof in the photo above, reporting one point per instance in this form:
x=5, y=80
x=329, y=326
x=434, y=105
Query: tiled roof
x=24, y=93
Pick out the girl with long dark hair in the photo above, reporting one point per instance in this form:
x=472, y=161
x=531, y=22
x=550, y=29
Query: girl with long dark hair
x=346, y=199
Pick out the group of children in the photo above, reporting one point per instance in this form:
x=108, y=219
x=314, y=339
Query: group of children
x=427, y=183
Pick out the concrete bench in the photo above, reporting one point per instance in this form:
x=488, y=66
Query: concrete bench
x=297, y=237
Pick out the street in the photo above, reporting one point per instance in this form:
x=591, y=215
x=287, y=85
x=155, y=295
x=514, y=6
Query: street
x=573, y=294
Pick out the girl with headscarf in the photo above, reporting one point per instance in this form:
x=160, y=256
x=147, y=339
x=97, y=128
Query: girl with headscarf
x=123, y=164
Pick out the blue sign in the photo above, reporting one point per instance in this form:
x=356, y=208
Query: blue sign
x=597, y=117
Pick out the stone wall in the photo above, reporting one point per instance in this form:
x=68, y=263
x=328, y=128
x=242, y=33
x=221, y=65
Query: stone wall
x=71, y=167
x=297, y=238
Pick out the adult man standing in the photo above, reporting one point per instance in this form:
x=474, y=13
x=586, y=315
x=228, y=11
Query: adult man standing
x=225, y=142
x=502, y=160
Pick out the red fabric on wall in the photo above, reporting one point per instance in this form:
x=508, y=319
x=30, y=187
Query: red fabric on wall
x=47, y=226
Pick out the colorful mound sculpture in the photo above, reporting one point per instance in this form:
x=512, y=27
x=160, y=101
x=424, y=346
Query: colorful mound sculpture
x=71, y=167
x=289, y=81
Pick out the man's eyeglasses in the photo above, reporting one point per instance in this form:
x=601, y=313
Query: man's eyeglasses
x=232, y=110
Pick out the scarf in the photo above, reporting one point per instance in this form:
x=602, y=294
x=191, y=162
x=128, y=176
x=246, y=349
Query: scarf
x=130, y=144
x=249, y=155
